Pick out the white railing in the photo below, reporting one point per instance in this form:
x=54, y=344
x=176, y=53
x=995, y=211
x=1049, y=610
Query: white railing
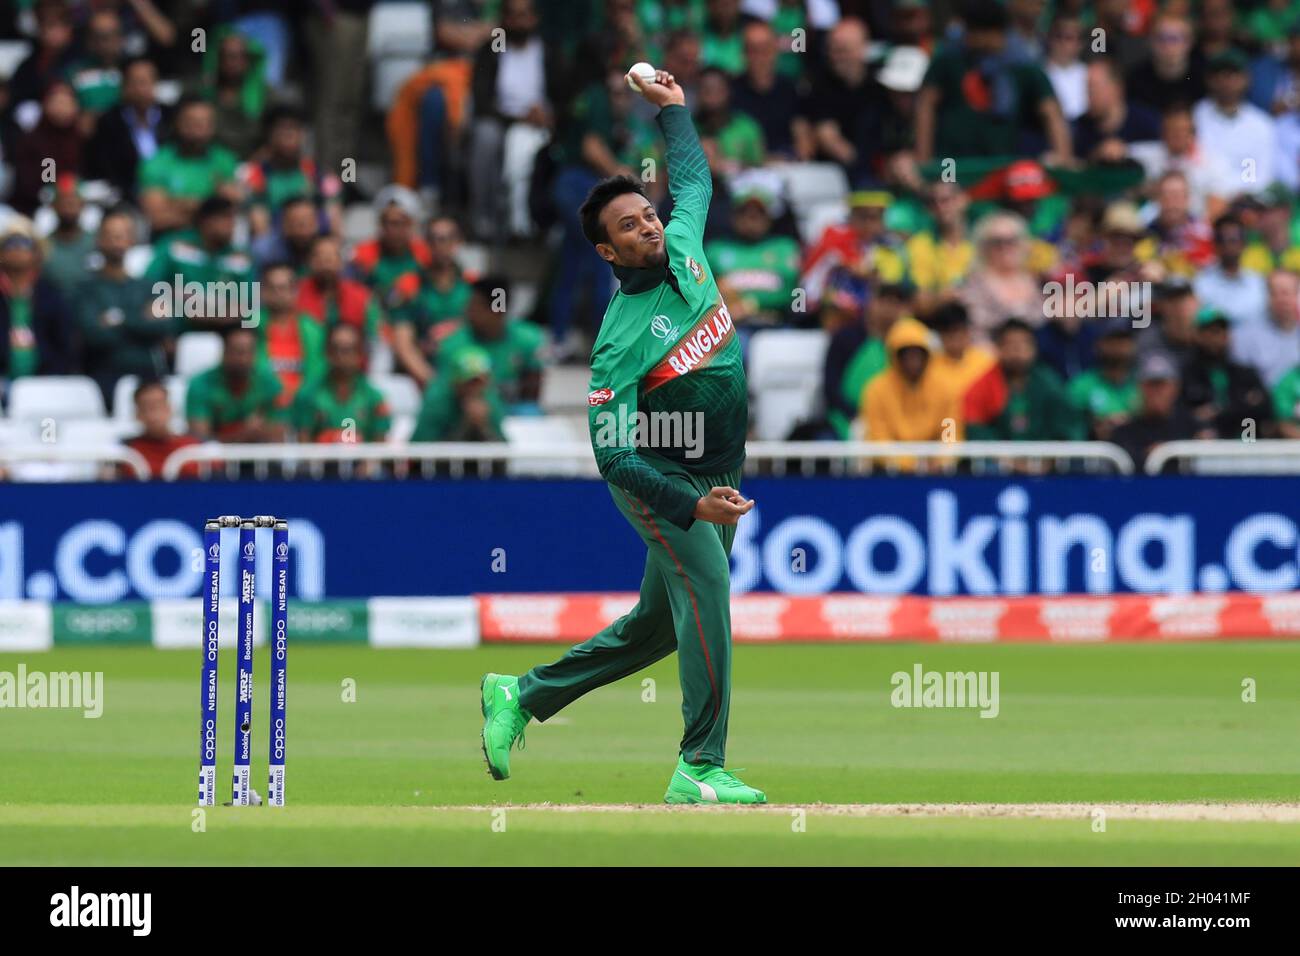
x=74, y=455
x=575, y=458
x=1229, y=457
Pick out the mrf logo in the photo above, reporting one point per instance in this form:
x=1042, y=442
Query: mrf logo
x=600, y=396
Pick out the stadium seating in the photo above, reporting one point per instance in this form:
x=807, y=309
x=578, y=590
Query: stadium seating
x=58, y=397
x=399, y=38
x=197, y=352
x=784, y=378
x=402, y=394
x=546, y=431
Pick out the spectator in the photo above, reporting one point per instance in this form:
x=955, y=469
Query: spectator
x=857, y=323
x=910, y=24
x=237, y=401
x=900, y=78
x=1123, y=46
x=770, y=99
x=511, y=114
x=722, y=43
x=732, y=141
x=425, y=306
x=54, y=54
x=1227, y=286
x=54, y=145
x=756, y=270
x=861, y=245
x=1000, y=284
x=1286, y=404
x=206, y=255
x=1242, y=135
x=1226, y=399
x=958, y=360
x=1172, y=77
x=330, y=297
x=157, y=440
x=513, y=346
x=1160, y=415
x=1209, y=180
x=940, y=258
x=397, y=250
x=1174, y=330
x=463, y=404
x=1184, y=242
x=234, y=82
x=1272, y=347
x=1111, y=123
x=1274, y=247
x=36, y=330
x=290, y=341
x=846, y=105
x=911, y=400
x=285, y=171
x=123, y=334
x=97, y=78
x=1106, y=395
x=342, y=405
x=1064, y=65
x=336, y=35
x=291, y=240
x=67, y=247
x=129, y=132
x=181, y=174
x=1019, y=398
x=978, y=100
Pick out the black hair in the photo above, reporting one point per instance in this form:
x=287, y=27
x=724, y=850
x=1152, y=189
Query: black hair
x=213, y=206
x=985, y=15
x=145, y=385
x=279, y=114
x=133, y=61
x=950, y=315
x=275, y=265
x=188, y=100
x=601, y=195
x=488, y=285
x=297, y=199
x=1225, y=221
x=1013, y=324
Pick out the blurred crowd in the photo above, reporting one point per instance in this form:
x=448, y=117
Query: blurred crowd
x=1019, y=220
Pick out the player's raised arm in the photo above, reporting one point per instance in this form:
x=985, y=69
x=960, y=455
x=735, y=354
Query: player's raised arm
x=689, y=181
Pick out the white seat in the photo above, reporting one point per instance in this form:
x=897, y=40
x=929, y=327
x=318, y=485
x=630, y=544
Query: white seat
x=59, y=397
x=813, y=220
x=12, y=52
x=405, y=27
x=540, y=431
x=94, y=433
x=402, y=429
x=807, y=184
x=785, y=375
x=197, y=352
x=14, y=434
x=400, y=392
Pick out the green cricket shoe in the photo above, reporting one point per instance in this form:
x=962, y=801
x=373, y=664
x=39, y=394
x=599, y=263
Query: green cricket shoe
x=503, y=722
x=708, y=783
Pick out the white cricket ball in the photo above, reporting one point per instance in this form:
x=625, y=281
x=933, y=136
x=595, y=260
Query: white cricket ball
x=643, y=72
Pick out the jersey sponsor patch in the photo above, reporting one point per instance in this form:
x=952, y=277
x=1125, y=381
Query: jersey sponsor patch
x=600, y=396
x=694, y=349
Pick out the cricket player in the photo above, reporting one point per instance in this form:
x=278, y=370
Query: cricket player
x=667, y=345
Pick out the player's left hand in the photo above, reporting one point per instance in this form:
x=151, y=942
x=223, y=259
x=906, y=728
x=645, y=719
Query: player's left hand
x=664, y=91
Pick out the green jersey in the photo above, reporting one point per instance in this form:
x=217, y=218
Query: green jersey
x=1286, y=396
x=668, y=349
x=210, y=399
x=324, y=413
x=514, y=355
x=766, y=271
x=1096, y=396
x=188, y=177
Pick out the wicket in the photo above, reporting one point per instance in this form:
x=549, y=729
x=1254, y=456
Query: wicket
x=241, y=788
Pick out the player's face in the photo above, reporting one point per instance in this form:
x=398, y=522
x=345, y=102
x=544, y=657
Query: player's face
x=636, y=236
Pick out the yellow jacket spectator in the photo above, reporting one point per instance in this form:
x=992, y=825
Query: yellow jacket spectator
x=957, y=360
x=912, y=399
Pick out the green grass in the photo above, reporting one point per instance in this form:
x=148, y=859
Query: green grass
x=812, y=724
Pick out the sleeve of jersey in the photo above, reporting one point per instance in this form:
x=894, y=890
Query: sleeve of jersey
x=612, y=407
x=689, y=181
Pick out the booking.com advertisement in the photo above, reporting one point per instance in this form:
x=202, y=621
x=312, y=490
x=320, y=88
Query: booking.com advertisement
x=971, y=536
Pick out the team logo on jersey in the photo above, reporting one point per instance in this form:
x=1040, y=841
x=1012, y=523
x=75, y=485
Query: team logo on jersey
x=662, y=327
x=600, y=396
x=696, y=270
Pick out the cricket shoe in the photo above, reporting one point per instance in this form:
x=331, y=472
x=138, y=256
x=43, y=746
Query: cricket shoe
x=503, y=722
x=709, y=783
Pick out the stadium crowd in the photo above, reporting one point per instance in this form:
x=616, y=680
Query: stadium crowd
x=1019, y=220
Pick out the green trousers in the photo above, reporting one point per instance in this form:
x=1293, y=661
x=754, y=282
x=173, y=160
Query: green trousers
x=685, y=606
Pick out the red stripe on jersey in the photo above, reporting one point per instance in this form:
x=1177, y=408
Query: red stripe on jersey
x=693, y=350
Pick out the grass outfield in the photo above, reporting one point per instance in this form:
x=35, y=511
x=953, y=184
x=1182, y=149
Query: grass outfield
x=397, y=777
